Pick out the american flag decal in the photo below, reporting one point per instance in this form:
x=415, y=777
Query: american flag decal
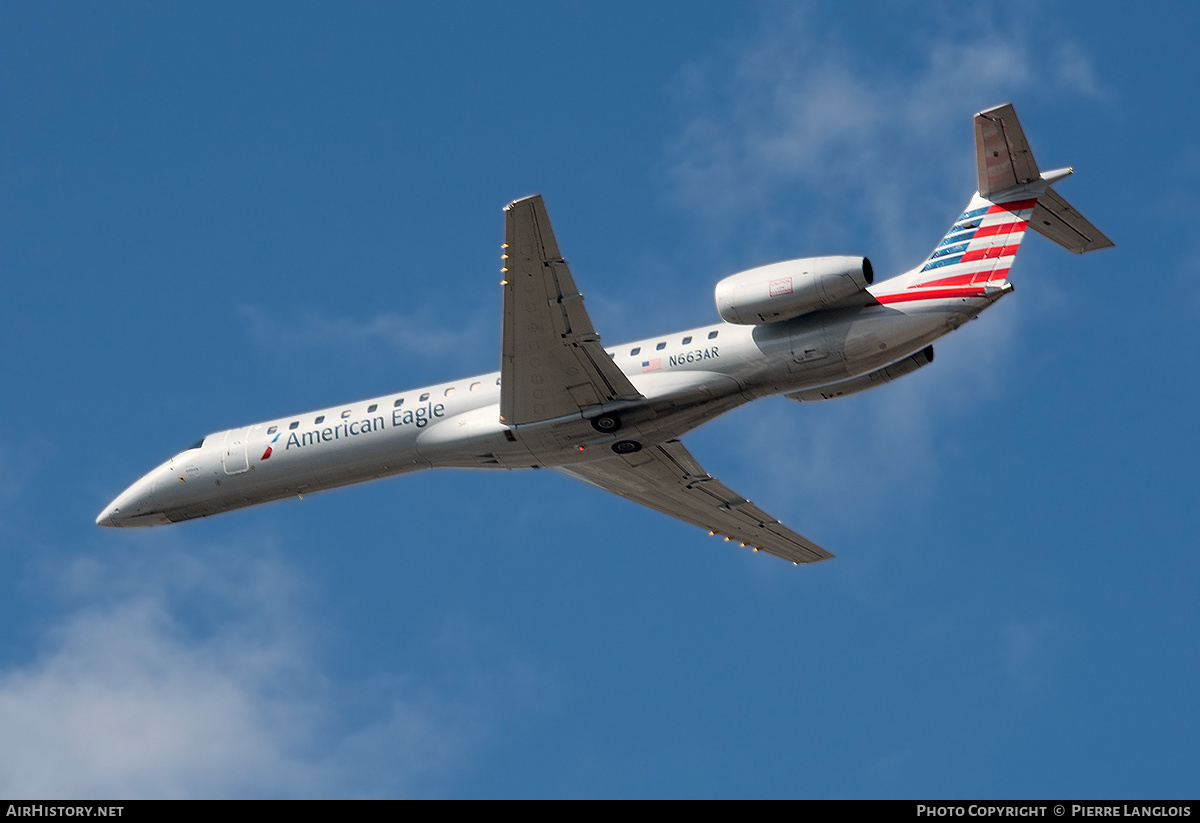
x=652, y=365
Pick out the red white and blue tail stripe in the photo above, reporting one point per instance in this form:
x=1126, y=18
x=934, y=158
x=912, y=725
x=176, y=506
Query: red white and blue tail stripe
x=973, y=258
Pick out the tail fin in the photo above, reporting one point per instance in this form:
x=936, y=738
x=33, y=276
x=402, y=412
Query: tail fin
x=980, y=246
x=1006, y=165
x=1001, y=151
x=1013, y=196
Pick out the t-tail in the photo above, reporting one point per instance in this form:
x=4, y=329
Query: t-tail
x=974, y=258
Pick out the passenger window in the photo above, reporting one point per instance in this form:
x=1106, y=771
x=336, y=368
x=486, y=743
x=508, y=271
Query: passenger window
x=399, y=402
x=636, y=350
x=293, y=424
x=320, y=419
x=345, y=414
x=424, y=397
x=711, y=335
x=687, y=340
x=372, y=407
x=474, y=386
x=660, y=347
x=497, y=381
x=272, y=430
x=449, y=391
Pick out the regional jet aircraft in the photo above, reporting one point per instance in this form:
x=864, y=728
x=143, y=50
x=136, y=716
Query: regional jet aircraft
x=810, y=329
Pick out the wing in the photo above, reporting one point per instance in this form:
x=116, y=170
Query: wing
x=668, y=478
x=552, y=362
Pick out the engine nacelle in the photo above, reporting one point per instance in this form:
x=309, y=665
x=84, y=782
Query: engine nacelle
x=789, y=289
x=867, y=381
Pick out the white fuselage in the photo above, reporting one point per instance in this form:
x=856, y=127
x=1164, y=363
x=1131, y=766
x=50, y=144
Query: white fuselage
x=687, y=379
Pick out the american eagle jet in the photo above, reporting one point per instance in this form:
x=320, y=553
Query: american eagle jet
x=811, y=329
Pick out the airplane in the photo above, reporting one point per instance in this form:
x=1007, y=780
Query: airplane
x=811, y=329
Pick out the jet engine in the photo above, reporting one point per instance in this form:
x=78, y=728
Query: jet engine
x=789, y=289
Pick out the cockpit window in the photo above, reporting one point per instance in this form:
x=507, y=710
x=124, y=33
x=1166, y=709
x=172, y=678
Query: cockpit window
x=196, y=445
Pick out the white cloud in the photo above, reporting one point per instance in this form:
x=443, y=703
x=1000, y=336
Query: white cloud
x=1076, y=70
x=1023, y=649
x=194, y=674
x=420, y=334
x=804, y=131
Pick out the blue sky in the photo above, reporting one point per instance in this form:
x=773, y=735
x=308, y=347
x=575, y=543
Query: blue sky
x=217, y=215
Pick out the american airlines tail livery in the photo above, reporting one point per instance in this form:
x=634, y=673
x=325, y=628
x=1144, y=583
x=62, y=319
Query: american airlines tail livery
x=812, y=329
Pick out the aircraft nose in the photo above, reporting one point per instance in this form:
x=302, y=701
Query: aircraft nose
x=136, y=506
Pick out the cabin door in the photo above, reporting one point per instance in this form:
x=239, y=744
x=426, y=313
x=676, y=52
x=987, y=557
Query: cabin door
x=235, y=458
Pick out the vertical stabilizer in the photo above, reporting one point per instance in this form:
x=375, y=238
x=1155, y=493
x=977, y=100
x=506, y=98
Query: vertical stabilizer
x=979, y=248
x=1002, y=153
x=1007, y=169
x=975, y=255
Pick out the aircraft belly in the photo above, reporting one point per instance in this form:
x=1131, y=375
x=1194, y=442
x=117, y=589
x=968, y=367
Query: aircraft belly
x=474, y=439
x=675, y=422
x=674, y=403
x=876, y=336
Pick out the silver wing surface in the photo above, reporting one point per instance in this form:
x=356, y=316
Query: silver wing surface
x=667, y=478
x=552, y=362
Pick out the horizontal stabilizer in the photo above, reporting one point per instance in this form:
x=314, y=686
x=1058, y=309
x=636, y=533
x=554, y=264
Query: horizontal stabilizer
x=1054, y=219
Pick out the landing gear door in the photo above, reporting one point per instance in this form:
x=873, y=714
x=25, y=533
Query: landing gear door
x=234, y=456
